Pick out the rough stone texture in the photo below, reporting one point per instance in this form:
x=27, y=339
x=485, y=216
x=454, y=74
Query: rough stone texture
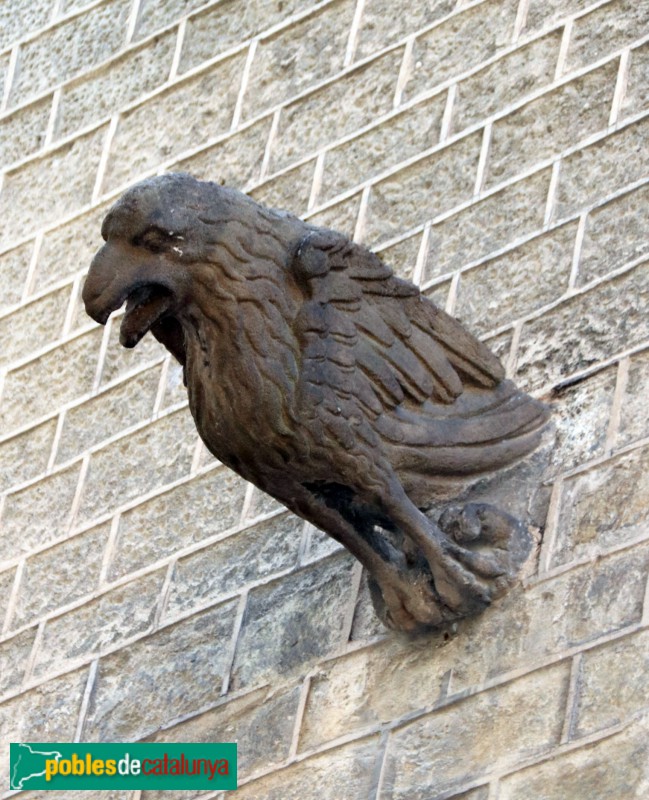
x=422, y=191
x=120, y=362
x=380, y=26
x=419, y=760
x=513, y=285
x=42, y=190
x=17, y=21
x=342, y=216
x=277, y=637
x=33, y=326
x=153, y=456
x=100, y=624
x=184, y=116
x=235, y=162
x=462, y=42
x=7, y=578
x=231, y=563
x=13, y=266
x=227, y=23
x=290, y=190
x=294, y=59
x=336, y=109
x=25, y=456
x=23, y=133
x=614, y=235
x=66, y=50
x=547, y=13
x=480, y=229
x=634, y=423
x=108, y=413
x=402, y=256
x=636, y=96
x=578, y=332
x=155, y=14
x=603, y=168
x=39, y=514
x=180, y=517
x=400, y=137
x=184, y=662
x=506, y=81
x=94, y=97
x=14, y=655
x=70, y=570
x=604, y=30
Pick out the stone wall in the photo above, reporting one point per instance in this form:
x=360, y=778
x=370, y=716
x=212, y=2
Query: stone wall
x=496, y=152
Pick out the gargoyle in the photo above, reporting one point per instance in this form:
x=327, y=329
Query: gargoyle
x=329, y=383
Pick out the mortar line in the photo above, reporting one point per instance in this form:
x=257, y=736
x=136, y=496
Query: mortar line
x=551, y=199
x=272, y=135
x=521, y=19
x=563, y=50
x=101, y=356
x=103, y=161
x=299, y=716
x=236, y=630
x=620, y=87
x=350, y=611
x=132, y=22
x=512, y=359
x=572, y=700
x=162, y=388
x=316, y=184
x=359, y=229
x=31, y=272
x=76, y=500
x=621, y=383
x=9, y=78
x=245, y=76
x=576, y=253
x=403, y=75
x=109, y=552
x=645, y=609
x=51, y=461
x=551, y=527
x=75, y=287
x=175, y=61
x=352, y=39
x=85, y=701
x=494, y=789
x=56, y=9
x=422, y=256
x=51, y=121
x=485, y=148
x=163, y=598
x=376, y=784
x=33, y=654
x=196, y=458
x=247, y=502
x=451, y=299
x=638, y=444
x=305, y=544
x=13, y=597
x=447, y=117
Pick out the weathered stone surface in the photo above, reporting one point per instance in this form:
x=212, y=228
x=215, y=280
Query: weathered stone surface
x=615, y=235
x=402, y=257
x=277, y=636
x=228, y=565
x=547, y=13
x=120, y=362
x=604, y=508
x=336, y=110
x=610, y=769
x=227, y=24
x=39, y=514
x=174, y=672
x=321, y=777
x=107, y=414
x=528, y=722
x=153, y=456
x=156, y=14
x=581, y=415
x=585, y=329
x=16, y=20
x=102, y=623
x=365, y=624
x=506, y=81
x=180, y=118
x=460, y=43
x=235, y=161
x=186, y=514
x=422, y=191
x=634, y=422
x=33, y=326
x=50, y=187
x=382, y=147
x=517, y=283
x=48, y=713
x=29, y=391
x=23, y=133
x=68, y=49
x=60, y=575
x=99, y=95
x=7, y=578
x=341, y=217
x=175, y=391
x=67, y=250
x=544, y=127
x=380, y=26
x=488, y=225
x=261, y=723
x=371, y=685
x=14, y=657
x=318, y=545
x=603, y=168
x=613, y=681
x=438, y=293
x=604, y=30
x=293, y=59
x=13, y=266
x=290, y=190
x=636, y=96
x=25, y=456
x=261, y=504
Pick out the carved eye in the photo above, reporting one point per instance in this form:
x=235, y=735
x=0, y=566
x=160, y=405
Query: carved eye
x=154, y=240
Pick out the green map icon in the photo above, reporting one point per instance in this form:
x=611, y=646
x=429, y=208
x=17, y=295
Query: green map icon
x=28, y=762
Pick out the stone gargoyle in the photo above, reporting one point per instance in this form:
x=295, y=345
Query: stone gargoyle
x=329, y=383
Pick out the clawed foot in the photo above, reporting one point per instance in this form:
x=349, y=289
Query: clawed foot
x=474, y=555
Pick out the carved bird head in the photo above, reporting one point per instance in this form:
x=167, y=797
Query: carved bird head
x=164, y=239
